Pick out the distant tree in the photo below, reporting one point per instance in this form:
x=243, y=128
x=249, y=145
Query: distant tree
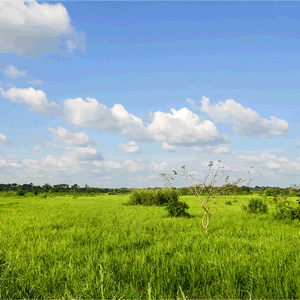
x=269, y=192
x=46, y=187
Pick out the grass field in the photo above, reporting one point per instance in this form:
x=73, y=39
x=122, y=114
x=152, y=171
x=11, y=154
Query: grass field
x=95, y=247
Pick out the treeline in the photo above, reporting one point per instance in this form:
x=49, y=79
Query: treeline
x=60, y=188
x=76, y=189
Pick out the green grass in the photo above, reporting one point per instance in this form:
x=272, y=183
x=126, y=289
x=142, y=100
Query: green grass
x=95, y=247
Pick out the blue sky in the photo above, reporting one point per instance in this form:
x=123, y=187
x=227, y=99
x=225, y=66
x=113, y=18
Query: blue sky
x=111, y=94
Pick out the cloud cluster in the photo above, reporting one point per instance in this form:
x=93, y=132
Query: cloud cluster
x=130, y=147
x=75, y=139
x=247, y=122
x=117, y=120
x=183, y=127
x=31, y=29
x=35, y=99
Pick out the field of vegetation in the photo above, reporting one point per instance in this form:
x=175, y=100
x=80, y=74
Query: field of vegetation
x=82, y=247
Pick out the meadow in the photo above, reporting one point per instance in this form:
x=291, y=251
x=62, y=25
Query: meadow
x=62, y=247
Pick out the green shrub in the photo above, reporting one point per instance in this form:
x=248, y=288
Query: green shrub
x=43, y=195
x=228, y=202
x=284, y=211
x=177, y=209
x=21, y=193
x=157, y=197
x=269, y=192
x=256, y=206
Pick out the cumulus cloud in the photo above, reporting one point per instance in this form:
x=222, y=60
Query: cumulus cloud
x=183, y=127
x=283, y=159
x=75, y=139
x=159, y=166
x=272, y=165
x=84, y=153
x=268, y=156
x=221, y=150
x=247, y=122
x=35, y=99
x=4, y=140
x=168, y=147
x=32, y=29
x=130, y=147
x=117, y=120
x=13, y=72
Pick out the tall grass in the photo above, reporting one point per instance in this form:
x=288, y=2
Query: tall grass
x=94, y=247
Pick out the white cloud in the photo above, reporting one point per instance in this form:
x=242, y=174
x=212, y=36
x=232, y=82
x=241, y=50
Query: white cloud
x=168, y=147
x=297, y=143
x=283, y=159
x=221, y=150
x=159, y=166
x=75, y=139
x=131, y=166
x=248, y=122
x=13, y=72
x=91, y=113
x=4, y=140
x=36, y=82
x=272, y=165
x=35, y=99
x=36, y=148
x=130, y=147
x=183, y=127
x=108, y=164
x=263, y=157
x=84, y=153
x=268, y=156
x=30, y=28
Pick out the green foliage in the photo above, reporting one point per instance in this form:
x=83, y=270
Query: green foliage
x=177, y=209
x=112, y=193
x=269, y=192
x=255, y=206
x=285, y=211
x=158, y=197
x=228, y=202
x=21, y=193
x=43, y=195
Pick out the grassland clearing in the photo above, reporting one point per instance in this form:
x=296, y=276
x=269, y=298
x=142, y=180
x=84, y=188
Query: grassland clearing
x=95, y=247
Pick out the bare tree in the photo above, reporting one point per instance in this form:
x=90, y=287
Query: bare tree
x=208, y=202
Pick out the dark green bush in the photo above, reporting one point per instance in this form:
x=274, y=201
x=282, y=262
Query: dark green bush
x=256, y=206
x=228, y=202
x=285, y=211
x=21, y=193
x=157, y=197
x=177, y=209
